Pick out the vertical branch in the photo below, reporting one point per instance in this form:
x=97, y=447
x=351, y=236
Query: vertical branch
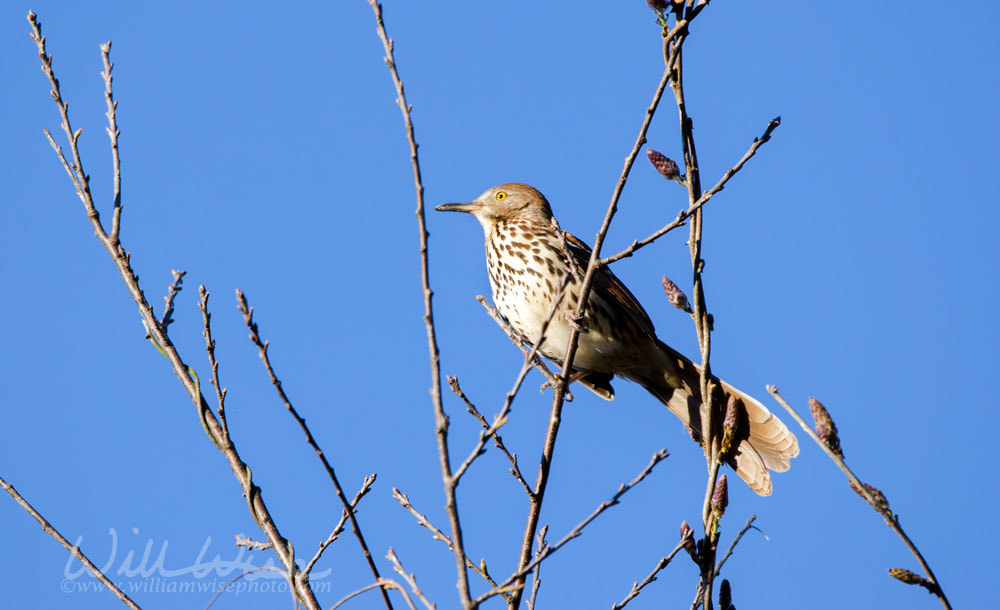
x=113, y=133
x=440, y=418
x=686, y=13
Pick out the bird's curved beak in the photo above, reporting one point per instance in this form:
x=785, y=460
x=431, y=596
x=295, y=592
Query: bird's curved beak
x=468, y=208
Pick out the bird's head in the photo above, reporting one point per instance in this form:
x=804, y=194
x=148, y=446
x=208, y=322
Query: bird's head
x=504, y=202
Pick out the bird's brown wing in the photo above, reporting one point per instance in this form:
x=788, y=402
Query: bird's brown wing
x=609, y=286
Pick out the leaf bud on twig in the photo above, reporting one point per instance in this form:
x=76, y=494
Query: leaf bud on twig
x=825, y=428
x=729, y=423
x=675, y=295
x=880, y=498
x=720, y=497
x=664, y=165
x=725, y=595
x=910, y=578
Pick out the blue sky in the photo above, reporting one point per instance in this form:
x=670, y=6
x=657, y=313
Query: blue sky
x=854, y=259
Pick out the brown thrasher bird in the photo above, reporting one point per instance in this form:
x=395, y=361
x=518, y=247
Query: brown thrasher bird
x=527, y=264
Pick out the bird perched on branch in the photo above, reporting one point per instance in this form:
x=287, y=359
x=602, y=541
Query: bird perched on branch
x=528, y=259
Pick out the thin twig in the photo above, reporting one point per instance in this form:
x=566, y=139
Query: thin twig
x=113, y=133
x=73, y=549
x=339, y=528
x=736, y=540
x=422, y=519
x=220, y=392
x=381, y=583
x=440, y=418
x=501, y=417
x=471, y=408
x=250, y=543
x=536, y=579
x=891, y=519
x=682, y=217
x=262, y=347
x=409, y=578
x=225, y=588
x=159, y=335
x=517, y=578
x=519, y=340
x=637, y=587
x=175, y=287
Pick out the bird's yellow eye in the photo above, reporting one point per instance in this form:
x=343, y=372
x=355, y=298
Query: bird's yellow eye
x=501, y=195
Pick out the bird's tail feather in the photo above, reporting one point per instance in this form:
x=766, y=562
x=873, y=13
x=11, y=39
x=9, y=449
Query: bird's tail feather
x=762, y=442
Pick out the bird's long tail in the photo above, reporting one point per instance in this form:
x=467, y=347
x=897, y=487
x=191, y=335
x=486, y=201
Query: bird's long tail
x=762, y=441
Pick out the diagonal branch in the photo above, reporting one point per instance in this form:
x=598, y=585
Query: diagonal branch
x=518, y=577
x=891, y=520
x=501, y=418
x=158, y=334
x=339, y=528
x=72, y=548
x=471, y=408
x=637, y=587
x=736, y=540
x=422, y=519
x=262, y=346
x=521, y=341
x=683, y=216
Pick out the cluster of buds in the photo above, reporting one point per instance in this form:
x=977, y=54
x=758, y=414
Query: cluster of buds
x=826, y=430
x=665, y=166
x=676, y=296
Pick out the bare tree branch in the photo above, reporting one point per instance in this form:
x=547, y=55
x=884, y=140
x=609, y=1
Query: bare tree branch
x=863, y=490
x=422, y=519
x=262, y=347
x=383, y=584
x=471, y=408
x=220, y=392
x=158, y=333
x=521, y=341
x=440, y=419
x=409, y=578
x=637, y=587
x=517, y=578
x=175, y=287
x=736, y=540
x=339, y=528
x=683, y=216
x=73, y=549
x=241, y=575
x=113, y=133
x=536, y=579
x=501, y=418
